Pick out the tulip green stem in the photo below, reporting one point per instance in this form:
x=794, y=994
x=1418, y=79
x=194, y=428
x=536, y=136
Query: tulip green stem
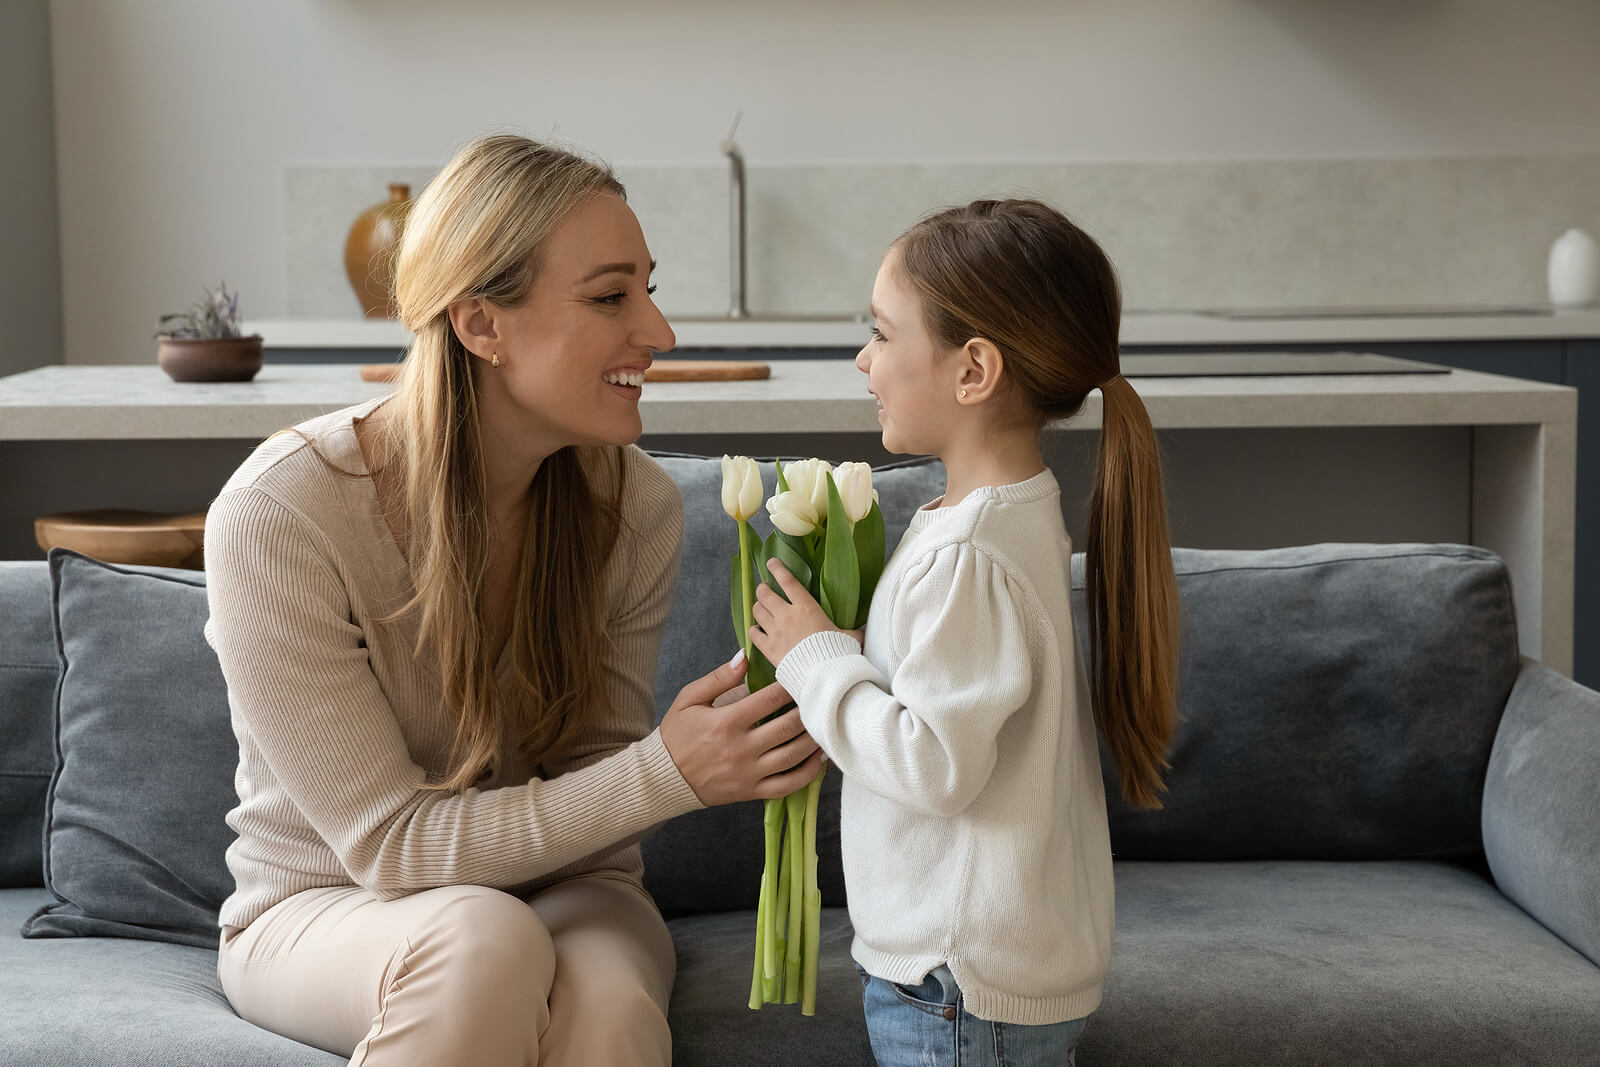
x=794, y=859
x=812, y=923
x=747, y=583
x=773, y=824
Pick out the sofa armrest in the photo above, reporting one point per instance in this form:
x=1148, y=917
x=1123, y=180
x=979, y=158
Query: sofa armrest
x=1541, y=805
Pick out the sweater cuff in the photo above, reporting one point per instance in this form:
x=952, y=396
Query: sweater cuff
x=811, y=653
x=672, y=793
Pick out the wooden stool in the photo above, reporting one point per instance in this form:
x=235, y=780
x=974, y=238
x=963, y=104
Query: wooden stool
x=122, y=536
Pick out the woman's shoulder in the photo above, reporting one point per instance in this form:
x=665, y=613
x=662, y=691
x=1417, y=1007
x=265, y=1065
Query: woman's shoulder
x=293, y=466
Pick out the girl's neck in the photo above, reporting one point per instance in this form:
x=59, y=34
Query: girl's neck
x=988, y=459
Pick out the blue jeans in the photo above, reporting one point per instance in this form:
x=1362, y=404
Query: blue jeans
x=928, y=1026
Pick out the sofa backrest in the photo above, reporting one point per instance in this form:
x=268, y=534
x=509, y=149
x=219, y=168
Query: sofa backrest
x=1338, y=702
x=28, y=667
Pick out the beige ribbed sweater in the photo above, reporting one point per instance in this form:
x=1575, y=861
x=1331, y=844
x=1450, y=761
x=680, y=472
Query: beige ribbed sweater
x=340, y=723
x=973, y=814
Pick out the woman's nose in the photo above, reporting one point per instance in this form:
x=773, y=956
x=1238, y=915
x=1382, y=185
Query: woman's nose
x=655, y=333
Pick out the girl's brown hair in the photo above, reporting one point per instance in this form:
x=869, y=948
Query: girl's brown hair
x=1020, y=275
x=478, y=231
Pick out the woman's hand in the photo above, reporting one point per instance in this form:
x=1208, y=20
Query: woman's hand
x=727, y=753
x=780, y=624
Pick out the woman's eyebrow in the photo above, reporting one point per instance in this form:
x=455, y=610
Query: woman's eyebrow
x=613, y=268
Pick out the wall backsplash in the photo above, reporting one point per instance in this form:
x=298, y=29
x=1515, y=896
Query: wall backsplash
x=1247, y=234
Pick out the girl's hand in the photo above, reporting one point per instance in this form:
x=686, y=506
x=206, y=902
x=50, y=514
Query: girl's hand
x=780, y=624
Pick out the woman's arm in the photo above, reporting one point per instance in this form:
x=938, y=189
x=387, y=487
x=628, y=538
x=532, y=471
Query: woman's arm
x=928, y=740
x=300, y=683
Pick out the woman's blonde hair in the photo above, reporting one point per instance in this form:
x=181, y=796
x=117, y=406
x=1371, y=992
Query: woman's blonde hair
x=478, y=230
x=1019, y=274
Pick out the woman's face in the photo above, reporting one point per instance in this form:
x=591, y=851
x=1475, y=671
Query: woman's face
x=575, y=352
x=913, y=380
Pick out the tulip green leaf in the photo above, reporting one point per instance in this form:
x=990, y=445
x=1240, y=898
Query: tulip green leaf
x=736, y=601
x=869, y=543
x=783, y=483
x=779, y=546
x=841, y=576
x=761, y=673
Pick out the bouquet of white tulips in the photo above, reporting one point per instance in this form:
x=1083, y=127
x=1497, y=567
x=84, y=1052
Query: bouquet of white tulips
x=828, y=531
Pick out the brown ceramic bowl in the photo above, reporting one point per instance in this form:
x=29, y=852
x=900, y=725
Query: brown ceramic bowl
x=210, y=359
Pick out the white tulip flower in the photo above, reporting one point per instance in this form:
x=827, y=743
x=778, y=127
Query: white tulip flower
x=792, y=513
x=855, y=489
x=809, y=478
x=741, y=487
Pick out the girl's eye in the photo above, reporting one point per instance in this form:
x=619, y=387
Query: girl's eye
x=877, y=334
x=650, y=290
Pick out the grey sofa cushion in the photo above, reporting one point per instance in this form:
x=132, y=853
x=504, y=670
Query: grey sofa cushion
x=28, y=669
x=99, y=1002
x=145, y=754
x=678, y=870
x=1339, y=702
x=1410, y=963
x=712, y=1023
x=1541, y=806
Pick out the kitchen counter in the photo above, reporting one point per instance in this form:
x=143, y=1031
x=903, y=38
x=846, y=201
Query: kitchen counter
x=1139, y=328
x=802, y=396
x=1251, y=461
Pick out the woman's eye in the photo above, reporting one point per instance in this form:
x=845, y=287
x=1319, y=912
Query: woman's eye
x=619, y=296
x=650, y=291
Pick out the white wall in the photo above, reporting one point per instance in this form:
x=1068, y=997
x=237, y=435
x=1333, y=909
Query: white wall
x=175, y=119
x=30, y=262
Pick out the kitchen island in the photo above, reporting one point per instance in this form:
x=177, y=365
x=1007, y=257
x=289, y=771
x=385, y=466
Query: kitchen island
x=1253, y=460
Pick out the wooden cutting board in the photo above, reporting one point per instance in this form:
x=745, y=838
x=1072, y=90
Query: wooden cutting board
x=663, y=370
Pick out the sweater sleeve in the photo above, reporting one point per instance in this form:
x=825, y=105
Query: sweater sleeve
x=301, y=685
x=925, y=739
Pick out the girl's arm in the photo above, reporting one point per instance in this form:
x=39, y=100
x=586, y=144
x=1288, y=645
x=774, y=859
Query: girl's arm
x=301, y=685
x=928, y=740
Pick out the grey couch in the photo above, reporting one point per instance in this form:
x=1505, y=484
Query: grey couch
x=1381, y=843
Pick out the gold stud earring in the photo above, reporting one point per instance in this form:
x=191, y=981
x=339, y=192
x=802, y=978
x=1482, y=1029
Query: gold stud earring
x=495, y=362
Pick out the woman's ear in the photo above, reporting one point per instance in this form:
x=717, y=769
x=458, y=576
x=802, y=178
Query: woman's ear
x=472, y=318
x=981, y=369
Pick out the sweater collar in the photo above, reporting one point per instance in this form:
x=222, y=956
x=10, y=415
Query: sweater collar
x=1038, y=487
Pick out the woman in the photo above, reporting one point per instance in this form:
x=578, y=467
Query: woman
x=438, y=615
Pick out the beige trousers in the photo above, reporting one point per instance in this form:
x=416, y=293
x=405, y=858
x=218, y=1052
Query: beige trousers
x=579, y=974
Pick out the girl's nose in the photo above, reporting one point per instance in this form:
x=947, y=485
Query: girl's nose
x=862, y=360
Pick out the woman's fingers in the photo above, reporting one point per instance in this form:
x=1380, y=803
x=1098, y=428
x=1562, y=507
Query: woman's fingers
x=787, y=755
x=781, y=785
x=706, y=688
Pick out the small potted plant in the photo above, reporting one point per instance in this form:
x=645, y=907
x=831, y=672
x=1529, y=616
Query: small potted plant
x=203, y=343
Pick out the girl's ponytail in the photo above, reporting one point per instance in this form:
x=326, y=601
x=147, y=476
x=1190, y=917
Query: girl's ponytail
x=1132, y=597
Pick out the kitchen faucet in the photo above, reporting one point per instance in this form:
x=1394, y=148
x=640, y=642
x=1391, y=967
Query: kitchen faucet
x=736, y=301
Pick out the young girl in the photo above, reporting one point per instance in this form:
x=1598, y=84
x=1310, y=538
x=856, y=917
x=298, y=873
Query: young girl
x=974, y=818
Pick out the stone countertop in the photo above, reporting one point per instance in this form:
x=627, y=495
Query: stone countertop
x=81, y=402
x=1139, y=328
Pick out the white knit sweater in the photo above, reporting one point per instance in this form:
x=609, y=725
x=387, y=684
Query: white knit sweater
x=974, y=816
x=340, y=723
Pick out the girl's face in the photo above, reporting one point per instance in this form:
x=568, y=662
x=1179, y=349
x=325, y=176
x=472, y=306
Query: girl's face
x=576, y=347
x=914, y=380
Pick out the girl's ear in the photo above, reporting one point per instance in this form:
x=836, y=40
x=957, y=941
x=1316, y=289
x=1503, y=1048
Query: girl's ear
x=472, y=318
x=981, y=368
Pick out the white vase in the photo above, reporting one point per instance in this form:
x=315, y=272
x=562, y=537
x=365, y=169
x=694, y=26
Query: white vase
x=1574, y=270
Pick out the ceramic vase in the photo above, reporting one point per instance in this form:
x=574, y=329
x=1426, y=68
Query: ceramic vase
x=369, y=250
x=210, y=359
x=1574, y=270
